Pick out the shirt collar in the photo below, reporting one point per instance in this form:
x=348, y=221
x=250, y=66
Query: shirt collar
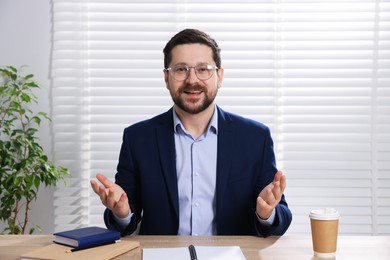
x=213, y=126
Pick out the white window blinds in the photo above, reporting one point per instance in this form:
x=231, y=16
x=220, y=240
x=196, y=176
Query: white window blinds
x=316, y=72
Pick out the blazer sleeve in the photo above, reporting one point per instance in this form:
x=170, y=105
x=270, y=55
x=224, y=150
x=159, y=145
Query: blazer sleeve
x=283, y=216
x=125, y=177
x=281, y=223
x=110, y=222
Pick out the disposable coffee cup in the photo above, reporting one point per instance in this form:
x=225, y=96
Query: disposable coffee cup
x=324, y=231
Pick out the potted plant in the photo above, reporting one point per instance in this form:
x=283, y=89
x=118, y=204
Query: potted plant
x=23, y=165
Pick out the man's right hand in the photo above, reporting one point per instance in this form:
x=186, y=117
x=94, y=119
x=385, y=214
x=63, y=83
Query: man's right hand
x=112, y=196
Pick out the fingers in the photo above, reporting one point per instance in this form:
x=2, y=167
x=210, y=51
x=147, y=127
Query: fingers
x=279, y=177
x=95, y=186
x=263, y=209
x=122, y=201
x=106, y=195
x=104, y=180
x=101, y=190
x=276, y=192
x=279, y=184
x=262, y=203
x=111, y=195
x=110, y=200
x=272, y=194
x=120, y=207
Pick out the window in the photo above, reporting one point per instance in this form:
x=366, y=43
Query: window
x=317, y=73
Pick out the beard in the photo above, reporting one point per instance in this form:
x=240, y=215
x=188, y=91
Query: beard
x=193, y=106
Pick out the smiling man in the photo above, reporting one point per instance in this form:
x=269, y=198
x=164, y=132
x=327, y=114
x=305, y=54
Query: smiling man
x=195, y=169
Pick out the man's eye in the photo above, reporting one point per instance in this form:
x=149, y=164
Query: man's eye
x=180, y=69
x=202, y=69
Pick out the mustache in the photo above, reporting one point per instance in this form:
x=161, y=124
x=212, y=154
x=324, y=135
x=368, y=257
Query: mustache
x=195, y=87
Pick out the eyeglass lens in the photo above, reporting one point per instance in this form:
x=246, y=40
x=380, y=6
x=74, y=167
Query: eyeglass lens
x=202, y=71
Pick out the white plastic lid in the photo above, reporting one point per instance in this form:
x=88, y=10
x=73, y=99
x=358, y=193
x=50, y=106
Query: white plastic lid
x=324, y=214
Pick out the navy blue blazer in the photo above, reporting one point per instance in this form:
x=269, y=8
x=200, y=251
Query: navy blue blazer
x=245, y=165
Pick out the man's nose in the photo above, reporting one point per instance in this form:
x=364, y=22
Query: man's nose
x=192, y=75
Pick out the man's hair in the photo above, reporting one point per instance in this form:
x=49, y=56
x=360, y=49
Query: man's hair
x=191, y=36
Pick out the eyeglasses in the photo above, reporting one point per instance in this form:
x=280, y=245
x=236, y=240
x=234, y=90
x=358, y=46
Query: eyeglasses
x=181, y=72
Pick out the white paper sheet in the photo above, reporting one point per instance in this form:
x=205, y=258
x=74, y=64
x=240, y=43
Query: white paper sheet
x=203, y=253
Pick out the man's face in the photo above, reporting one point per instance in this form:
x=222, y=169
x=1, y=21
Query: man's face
x=193, y=95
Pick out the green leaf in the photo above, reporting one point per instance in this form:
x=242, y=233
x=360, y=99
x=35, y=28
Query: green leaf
x=37, y=120
x=33, y=84
x=31, y=131
x=29, y=76
x=17, y=182
x=25, y=98
x=36, y=227
x=37, y=182
x=45, y=115
x=13, y=69
x=9, y=181
x=13, y=76
x=29, y=182
x=5, y=213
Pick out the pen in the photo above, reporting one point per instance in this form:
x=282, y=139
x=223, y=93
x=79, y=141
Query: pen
x=82, y=248
x=191, y=248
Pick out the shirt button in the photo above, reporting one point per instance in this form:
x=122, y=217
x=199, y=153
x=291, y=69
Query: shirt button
x=196, y=173
x=196, y=204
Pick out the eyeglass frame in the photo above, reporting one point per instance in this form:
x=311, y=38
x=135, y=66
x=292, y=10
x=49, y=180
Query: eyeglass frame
x=188, y=68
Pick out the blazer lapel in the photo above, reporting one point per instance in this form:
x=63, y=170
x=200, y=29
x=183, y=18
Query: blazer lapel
x=166, y=147
x=224, y=157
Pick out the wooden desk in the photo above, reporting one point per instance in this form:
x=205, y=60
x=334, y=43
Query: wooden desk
x=271, y=248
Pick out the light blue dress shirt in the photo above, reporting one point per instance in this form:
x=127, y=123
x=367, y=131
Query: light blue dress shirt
x=196, y=167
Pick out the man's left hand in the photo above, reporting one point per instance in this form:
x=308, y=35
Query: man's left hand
x=270, y=196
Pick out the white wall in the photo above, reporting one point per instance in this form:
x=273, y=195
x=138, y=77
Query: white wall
x=25, y=39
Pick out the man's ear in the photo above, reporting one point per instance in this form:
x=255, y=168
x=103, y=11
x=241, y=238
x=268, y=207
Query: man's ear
x=166, y=78
x=220, y=73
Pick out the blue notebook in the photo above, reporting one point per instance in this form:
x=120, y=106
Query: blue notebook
x=86, y=237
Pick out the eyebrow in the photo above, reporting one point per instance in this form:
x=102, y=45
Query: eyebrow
x=200, y=63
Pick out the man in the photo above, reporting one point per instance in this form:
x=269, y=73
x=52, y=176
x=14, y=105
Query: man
x=195, y=169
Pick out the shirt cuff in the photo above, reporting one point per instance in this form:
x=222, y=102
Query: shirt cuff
x=267, y=222
x=123, y=222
